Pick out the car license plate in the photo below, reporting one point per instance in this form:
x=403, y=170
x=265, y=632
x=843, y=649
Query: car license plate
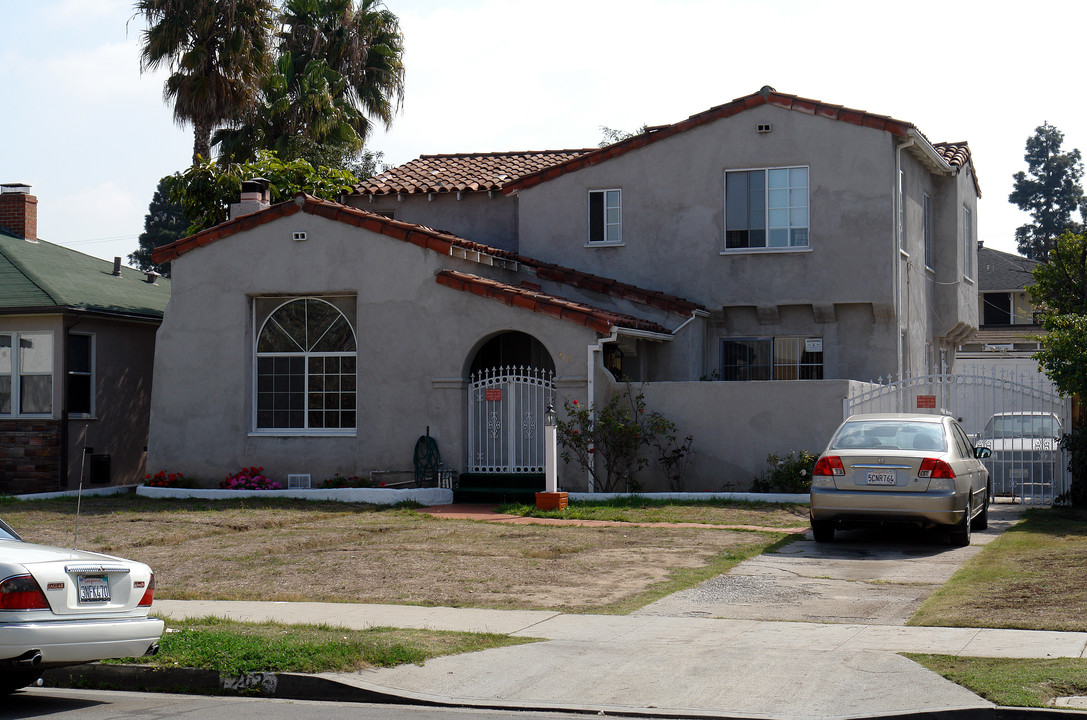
x=881, y=477
x=1019, y=473
x=93, y=588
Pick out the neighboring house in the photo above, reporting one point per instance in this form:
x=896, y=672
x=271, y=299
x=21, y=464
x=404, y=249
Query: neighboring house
x=1010, y=330
x=772, y=238
x=77, y=342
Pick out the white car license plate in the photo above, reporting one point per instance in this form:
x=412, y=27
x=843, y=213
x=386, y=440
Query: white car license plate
x=881, y=477
x=93, y=588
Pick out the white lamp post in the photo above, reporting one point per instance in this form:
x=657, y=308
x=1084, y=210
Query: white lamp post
x=551, y=470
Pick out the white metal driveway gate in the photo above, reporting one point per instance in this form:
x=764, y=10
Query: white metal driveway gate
x=505, y=419
x=1019, y=416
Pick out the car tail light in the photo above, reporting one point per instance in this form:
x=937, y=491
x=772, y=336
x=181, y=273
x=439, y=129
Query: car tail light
x=935, y=468
x=22, y=592
x=149, y=594
x=829, y=465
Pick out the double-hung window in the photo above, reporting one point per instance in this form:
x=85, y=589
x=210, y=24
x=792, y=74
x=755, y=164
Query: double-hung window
x=930, y=260
x=26, y=373
x=766, y=208
x=773, y=358
x=967, y=243
x=305, y=360
x=81, y=374
x=605, y=217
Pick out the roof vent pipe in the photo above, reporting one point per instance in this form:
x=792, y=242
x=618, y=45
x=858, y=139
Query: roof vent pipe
x=117, y=267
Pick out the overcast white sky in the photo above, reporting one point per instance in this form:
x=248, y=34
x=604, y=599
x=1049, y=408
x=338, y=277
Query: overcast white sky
x=92, y=136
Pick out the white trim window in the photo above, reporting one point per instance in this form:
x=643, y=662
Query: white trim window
x=26, y=374
x=771, y=358
x=80, y=375
x=766, y=208
x=305, y=369
x=967, y=243
x=926, y=229
x=605, y=217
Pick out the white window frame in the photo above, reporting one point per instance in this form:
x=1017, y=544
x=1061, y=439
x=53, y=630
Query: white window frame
x=17, y=374
x=92, y=374
x=926, y=229
x=967, y=244
x=902, y=213
x=606, y=195
x=307, y=431
x=726, y=250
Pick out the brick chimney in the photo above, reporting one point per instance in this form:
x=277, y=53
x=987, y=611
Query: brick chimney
x=18, y=210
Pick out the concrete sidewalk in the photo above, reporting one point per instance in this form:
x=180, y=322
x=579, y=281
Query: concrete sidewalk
x=658, y=665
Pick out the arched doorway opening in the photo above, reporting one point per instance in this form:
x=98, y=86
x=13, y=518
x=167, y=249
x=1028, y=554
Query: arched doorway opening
x=511, y=382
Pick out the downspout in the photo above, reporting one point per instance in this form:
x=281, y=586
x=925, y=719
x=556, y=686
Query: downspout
x=591, y=391
x=899, y=221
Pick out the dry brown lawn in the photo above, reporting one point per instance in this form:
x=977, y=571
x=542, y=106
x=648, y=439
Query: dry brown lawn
x=298, y=550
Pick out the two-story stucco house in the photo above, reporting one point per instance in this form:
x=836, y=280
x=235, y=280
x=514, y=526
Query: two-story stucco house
x=786, y=248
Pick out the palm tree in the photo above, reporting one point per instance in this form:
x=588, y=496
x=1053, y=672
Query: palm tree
x=339, y=69
x=217, y=52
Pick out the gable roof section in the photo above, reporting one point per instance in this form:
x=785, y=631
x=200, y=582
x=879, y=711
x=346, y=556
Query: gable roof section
x=462, y=172
x=41, y=275
x=598, y=319
x=425, y=237
x=998, y=271
x=955, y=153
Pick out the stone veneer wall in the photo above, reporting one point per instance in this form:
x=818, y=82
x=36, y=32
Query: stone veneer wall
x=29, y=456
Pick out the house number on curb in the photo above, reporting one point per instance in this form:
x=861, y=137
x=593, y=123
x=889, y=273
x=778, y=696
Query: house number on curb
x=263, y=682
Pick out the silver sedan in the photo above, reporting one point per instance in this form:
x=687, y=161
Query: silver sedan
x=64, y=607
x=902, y=467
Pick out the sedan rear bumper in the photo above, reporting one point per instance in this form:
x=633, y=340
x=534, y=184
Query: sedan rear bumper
x=829, y=504
x=69, y=642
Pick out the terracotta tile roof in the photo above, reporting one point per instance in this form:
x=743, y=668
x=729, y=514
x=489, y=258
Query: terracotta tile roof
x=598, y=319
x=765, y=96
x=957, y=154
x=466, y=172
x=425, y=237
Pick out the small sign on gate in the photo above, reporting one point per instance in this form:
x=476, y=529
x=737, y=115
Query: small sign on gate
x=926, y=401
x=494, y=394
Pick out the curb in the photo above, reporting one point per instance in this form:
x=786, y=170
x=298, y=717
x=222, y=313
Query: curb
x=301, y=686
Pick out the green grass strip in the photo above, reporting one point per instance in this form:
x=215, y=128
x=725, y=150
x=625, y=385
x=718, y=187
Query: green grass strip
x=1015, y=682
x=234, y=648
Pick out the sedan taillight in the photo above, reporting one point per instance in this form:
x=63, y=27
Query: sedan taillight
x=935, y=468
x=22, y=592
x=149, y=594
x=829, y=465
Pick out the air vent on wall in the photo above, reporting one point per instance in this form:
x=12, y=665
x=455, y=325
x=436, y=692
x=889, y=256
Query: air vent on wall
x=298, y=481
x=764, y=127
x=299, y=236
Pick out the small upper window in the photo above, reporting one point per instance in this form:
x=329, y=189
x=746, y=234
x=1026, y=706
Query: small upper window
x=766, y=208
x=605, y=217
x=967, y=243
x=930, y=261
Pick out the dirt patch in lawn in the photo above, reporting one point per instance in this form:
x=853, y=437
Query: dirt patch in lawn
x=294, y=550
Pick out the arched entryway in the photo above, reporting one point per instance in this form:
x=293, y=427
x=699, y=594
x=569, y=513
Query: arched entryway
x=511, y=381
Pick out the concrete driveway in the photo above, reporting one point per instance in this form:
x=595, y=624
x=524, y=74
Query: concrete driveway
x=876, y=576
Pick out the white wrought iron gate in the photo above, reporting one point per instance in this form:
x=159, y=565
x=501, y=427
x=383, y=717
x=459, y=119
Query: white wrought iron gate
x=505, y=419
x=1019, y=416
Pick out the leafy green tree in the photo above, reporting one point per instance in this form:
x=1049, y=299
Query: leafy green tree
x=339, y=68
x=1051, y=193
x=206, y=190
x=1060, y=285
x=217, y=52
x=610, y=136
x=163, y=224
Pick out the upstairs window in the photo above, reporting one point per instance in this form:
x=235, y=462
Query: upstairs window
x=996, y=308
x=926, y=229
x=968, y=251
x=766, y=208
x=305, y=379
x=605, y=217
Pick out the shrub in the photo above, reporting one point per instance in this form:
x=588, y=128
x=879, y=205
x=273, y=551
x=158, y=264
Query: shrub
x=163, y=479
x=249, y=478
x=1075, y=443
x=789, y=473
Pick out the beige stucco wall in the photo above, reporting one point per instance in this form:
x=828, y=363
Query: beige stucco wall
x=489, y=218
x=416, y=340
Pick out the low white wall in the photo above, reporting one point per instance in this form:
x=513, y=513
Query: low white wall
x=374, y=496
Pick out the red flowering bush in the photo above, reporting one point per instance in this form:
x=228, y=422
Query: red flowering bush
x=163, y=479
x=249, y=478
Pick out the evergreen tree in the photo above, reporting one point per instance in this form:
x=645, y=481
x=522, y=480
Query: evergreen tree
x=164, y=223
x=1051, y=192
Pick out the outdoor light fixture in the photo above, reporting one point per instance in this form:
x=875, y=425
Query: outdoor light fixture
x=549, y=416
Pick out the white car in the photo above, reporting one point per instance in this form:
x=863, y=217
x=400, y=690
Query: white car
x=1026, y=451
x=65, y=607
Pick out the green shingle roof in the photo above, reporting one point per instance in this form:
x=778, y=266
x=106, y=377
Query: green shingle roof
x=42, y=275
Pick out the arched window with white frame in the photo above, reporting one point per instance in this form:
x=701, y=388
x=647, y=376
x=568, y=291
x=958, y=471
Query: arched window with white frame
x=305, y=367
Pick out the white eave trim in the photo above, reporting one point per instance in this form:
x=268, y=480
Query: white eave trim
x=642, y=334
x=927, y=154
x=482, y=258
